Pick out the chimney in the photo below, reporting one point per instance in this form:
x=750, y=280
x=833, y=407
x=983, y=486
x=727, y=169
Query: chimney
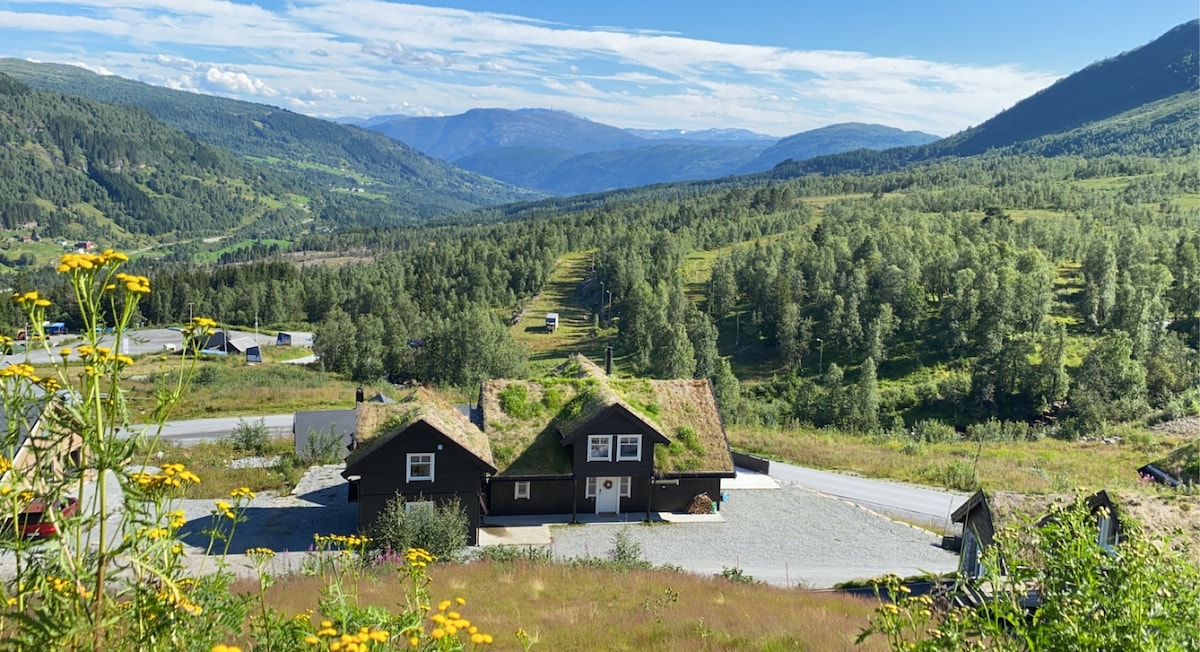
x=358, y=395
x=608, y=360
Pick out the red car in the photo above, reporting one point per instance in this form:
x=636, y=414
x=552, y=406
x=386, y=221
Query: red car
x=30, y=523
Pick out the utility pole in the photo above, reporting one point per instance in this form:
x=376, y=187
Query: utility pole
x=821, y=356
x=190, y=304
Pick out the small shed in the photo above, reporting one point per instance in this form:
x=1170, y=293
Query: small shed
x=294, y=338
x=56, y=328
x=551, y=321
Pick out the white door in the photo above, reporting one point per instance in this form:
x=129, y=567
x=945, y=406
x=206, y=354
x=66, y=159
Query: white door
x=608, y=495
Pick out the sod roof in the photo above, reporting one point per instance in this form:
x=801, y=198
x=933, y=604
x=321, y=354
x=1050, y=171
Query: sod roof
x=1174, y=516
x=526, y=421
x=379, y=423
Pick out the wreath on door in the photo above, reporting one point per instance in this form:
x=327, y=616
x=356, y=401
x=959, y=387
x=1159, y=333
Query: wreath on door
x=608, y=484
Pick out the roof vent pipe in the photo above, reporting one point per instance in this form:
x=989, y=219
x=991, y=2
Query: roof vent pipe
x=358, y=395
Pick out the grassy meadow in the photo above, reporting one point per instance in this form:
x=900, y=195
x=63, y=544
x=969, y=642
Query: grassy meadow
x=566, y=607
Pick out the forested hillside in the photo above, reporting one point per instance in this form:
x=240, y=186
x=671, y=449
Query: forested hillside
x=84, y=170
x=331, y=155
x=1054, y=295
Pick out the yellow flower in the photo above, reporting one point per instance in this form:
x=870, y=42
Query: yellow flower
x=221, y=647
x=66, y=351
x=438, y=633
x=311, y=640
x=460, y=601
x=477, y=639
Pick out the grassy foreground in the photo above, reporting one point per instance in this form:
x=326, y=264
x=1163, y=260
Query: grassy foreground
x=571, y=608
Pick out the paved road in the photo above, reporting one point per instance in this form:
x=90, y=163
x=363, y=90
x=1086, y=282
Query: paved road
x=924, y=505
x=146, y=340
x=197, y=430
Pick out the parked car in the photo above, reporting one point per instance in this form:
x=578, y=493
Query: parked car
x=30, y=523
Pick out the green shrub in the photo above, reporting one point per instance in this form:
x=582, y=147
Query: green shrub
x=251, y=436
x=933, y=431
x=626, y=554
x=513, y=554
x=960, y=475
x=322, y=447
x=737, y=575
x=440, y=528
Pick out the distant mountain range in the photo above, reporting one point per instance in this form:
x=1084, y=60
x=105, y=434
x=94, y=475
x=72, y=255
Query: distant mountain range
x=562, y=153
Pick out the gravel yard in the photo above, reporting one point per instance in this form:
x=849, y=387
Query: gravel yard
x=787, y=536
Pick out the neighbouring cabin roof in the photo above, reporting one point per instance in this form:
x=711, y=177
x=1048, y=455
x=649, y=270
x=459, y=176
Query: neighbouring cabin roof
x=1173, y=516
x=15, y=428
x=322, y=422
x=528, y=422
x=379, y=423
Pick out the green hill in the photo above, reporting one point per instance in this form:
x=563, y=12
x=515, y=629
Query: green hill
x=85, y=170
x=334, y=155
x=1142, y=102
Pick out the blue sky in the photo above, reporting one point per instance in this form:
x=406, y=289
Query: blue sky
x=776, y=67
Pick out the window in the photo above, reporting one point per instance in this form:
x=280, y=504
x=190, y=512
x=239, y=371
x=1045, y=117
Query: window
x=626, y=486
x=521, y=491
x=629, y=448
x=589, y=490
x=414, y=505
x=599, y=448
x=1108, y=530
x=420, y=467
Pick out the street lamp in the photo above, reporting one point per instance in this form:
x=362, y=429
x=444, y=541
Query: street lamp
x=821, y=356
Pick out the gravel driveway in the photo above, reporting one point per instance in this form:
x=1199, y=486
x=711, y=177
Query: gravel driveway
x=788, y=536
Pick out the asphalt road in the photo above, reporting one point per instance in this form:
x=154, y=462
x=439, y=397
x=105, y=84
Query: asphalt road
x=136, y=342
x=921, y=504
x=197, y=430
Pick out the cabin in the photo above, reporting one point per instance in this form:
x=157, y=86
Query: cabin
x=422, y=450
x=983, y=515
x=38, y=439
x=578, y=442
x=294, y=338
x=551, y=322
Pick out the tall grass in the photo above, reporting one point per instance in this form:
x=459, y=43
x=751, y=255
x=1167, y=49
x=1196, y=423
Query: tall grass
x=569, y=607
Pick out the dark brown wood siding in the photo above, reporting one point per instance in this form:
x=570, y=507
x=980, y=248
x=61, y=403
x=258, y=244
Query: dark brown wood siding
x=456, y=475
x=614, y=423
x=677, y=497
x=547, y=496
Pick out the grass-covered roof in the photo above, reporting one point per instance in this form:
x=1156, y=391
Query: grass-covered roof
x=525, y=420
x=378, y=423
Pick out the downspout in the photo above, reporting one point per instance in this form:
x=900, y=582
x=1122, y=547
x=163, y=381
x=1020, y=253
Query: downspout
x=574, y=500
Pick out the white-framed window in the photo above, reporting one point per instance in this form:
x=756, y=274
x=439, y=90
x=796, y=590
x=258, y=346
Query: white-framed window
x=599, y=448
x=626, y=486
x=521, y=490
x=419, y=467
x=589, y=489
x=629, y=448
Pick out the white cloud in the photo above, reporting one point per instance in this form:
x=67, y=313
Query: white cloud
x=344, y=51
x=99, y=70
x=320, y=94
x=229, y=81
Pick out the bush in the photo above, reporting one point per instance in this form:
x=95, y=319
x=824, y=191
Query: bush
x=626, y=554
x=324, y=447
x=250, y=436
x=960, y=475
x=439, y=528
x=736, y=575
x=1144, y=597
x=933, y=431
